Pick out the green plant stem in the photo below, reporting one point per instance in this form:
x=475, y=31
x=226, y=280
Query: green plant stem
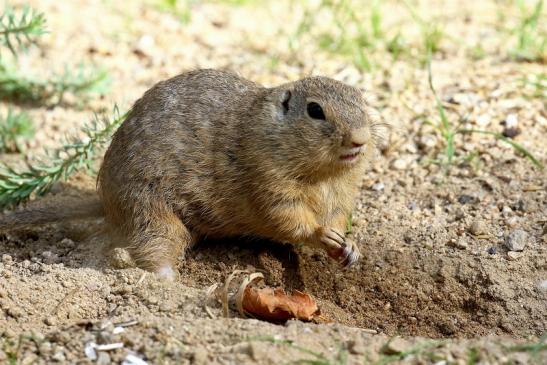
x=17, y=186
x=518, y=147
x=16, y=31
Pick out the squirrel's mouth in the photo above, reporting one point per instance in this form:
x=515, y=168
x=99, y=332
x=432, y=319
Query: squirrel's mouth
x=351, y=156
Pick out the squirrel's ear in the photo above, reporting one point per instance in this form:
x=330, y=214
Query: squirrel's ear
x=285, y=98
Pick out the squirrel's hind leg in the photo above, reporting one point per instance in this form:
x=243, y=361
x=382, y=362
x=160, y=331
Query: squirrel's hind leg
x=155, y=236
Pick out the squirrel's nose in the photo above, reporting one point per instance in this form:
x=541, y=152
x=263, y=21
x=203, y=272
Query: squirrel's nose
x=356, y=138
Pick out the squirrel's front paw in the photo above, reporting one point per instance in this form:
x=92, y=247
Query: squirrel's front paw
x=350, y=254
x=339, y=248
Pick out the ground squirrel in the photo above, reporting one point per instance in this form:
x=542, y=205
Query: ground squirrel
x=210, y=154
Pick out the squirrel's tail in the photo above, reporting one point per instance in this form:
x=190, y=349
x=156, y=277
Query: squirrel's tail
x=35, y=216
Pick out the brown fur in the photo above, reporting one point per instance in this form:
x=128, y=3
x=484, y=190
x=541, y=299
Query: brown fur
x=208, y=153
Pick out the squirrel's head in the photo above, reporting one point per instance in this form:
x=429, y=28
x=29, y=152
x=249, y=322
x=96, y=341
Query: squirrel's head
x=325, y=125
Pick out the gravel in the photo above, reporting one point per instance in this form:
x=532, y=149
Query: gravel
x=517, y=240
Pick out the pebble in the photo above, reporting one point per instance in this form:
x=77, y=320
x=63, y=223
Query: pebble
x=15, y=312
x=45, y=348
x=511, y=121
x=510, y=132
x=121, y=259
x=477, y=228
x=427, y=141
x=67, y=242
x=464, y=199
x=516, y=241
x=50, y=321
x=483, y=120
x=49, y=257
x=7, y=259
x=400, y=164
x=461, y=244
x=199, y=356
x=542, y=286
x=506, y=211
x=513, y=255
x=511, y=222
x=492, y=250
x=59, y=357
x=379, y=186
x=357, y=346
x=28, y=359
x=396, y=346
x=103, y=358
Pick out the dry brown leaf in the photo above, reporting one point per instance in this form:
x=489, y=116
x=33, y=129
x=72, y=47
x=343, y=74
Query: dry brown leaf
x=275, y=305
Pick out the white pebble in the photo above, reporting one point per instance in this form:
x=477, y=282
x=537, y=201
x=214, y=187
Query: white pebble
x=511, y=121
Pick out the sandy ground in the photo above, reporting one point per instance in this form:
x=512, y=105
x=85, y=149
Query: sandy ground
x=437, y=280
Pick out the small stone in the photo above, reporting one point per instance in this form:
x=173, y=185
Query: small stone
x=461, y=244
x=542, y=286
x=511, y=222
x=510, y=132
x=7, y=259
x=427, y=141
x=511, y=121
x=477, y=228
x=49, y=257
x=506, y=211
x=517, y=240
x=8, y=333
x=199, y=356
x=492, y=250
x=121, y=259
x=513, y=255
x=412, y=205
x=67, y=242
x=379, y=186
x=400, y=164
x=103, y=358
x=15, y=312
x=357, y=346
x=59, y=357
x=395, y=346
x=28, y=359
x=50, y=320
x=25, y=264
x=464, y=199
x=483, y=120
x=45, y=348
x=241, y=348
x=167, y=307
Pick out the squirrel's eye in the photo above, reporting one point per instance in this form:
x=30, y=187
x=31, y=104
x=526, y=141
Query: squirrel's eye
x=315, y=111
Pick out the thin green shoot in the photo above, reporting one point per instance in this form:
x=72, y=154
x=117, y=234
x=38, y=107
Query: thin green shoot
x=419, y=349
x=534, y=349
x=349, y=224
x=531, y=38
x=77, y=154
x=432, y=33
x=14, y=128
x=182, y=9
x=17, y=31
x=448, y=132
x=473, y=356
x=341, y=357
